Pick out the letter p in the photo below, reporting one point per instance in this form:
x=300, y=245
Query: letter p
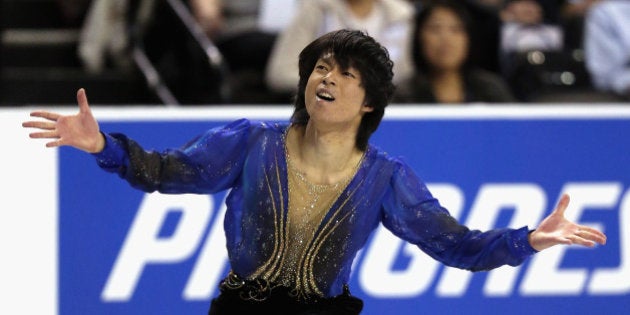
x=143, y=244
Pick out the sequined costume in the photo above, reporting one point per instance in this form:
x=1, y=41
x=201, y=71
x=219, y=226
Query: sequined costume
x=249, y=158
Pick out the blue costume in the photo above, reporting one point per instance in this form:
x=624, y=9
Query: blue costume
x=250, y=159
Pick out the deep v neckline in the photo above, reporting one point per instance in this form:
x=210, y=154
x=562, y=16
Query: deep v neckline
x=342, y=185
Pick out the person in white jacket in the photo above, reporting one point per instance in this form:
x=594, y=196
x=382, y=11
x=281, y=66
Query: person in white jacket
x=607, y=47
x=388, y=21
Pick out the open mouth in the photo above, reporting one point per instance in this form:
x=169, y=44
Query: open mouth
x=324, y=95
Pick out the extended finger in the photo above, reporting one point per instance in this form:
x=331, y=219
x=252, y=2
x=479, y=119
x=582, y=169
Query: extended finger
x=562, y=204
x=44, y=134
x=82, y=100
x=53, y=144
x=578, y=240
x=591, y=234
x=39, y=124
x=46, y=115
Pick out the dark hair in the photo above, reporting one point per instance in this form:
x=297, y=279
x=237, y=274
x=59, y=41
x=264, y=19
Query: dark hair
x=423, y=12
x=350, y=48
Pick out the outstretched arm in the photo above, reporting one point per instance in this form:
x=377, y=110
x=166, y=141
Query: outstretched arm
x=556, y=229
x=80, y=130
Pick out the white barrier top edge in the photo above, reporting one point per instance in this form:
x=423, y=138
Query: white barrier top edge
x=392, y=112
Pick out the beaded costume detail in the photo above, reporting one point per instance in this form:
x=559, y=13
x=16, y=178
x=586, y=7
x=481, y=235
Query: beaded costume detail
x=298, y=237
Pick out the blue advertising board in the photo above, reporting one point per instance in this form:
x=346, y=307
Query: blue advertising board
x=122, y=251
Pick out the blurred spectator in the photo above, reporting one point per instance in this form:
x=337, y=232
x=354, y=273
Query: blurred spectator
x=441, y=53
x=235, y=27
x=507, y=30
x=104, y=37
x=529, y=25
x=232, y=25
x=244, y=31
x=521, y=25
x=388, y=21
x=485, y=33
x=607, y=46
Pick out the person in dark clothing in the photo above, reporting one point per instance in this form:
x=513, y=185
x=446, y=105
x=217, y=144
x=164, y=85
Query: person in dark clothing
x=442, y=54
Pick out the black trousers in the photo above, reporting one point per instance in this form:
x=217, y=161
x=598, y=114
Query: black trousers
x=279, y=301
